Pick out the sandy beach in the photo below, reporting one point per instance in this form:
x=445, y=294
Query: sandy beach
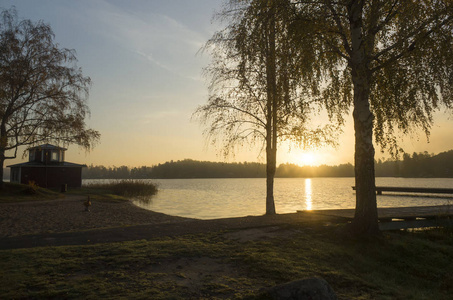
x=68, y=214
x=65, y=222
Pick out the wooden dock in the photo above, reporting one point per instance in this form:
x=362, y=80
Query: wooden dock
x=395, y=218
x=380, y=189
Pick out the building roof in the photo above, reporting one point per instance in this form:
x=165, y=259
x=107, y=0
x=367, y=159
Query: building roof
x=48, y=147
x=40, y=164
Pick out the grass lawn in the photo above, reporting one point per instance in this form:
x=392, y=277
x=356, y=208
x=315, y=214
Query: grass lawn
x=400, y=265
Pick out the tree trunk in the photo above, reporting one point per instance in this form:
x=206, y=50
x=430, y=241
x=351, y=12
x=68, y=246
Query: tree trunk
x=2, y=153
x=2, y=162
x=1, y=169
x=3, y=145
x=270, y=173
x=271, y=126
x=365, y=220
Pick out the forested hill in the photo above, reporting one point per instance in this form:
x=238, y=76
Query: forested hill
x=418, y=165
x=415, y=165
x=180, y=169
x=205, y=169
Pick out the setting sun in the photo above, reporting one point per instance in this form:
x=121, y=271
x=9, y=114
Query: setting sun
x=304, y=158
x=308, y=159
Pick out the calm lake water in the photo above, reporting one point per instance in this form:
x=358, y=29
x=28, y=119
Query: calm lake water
x=222, y=198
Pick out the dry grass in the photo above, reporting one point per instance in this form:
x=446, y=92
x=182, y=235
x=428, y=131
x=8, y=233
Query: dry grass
x=15, y=192
x=126, y=188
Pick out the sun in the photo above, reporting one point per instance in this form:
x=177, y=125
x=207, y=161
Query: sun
x=303, y=158
x=307, y=159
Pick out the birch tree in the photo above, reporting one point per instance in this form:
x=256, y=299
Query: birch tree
x=42, y=92
x=256, y=94
x=393, y=59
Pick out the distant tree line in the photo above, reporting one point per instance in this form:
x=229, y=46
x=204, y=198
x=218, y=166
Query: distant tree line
x=179, y=169
x=420, y=164
x=415, y=165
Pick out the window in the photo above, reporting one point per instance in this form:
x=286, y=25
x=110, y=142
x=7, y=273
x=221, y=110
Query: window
x=14, y=175
x=32, y=155
x=54, y=156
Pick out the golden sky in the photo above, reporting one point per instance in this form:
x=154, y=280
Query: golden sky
x=142, y=58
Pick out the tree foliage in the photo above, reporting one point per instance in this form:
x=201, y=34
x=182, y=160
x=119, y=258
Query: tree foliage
x=42, y=91
x=237, y=111
x=407, y=54
x=256, y=95
x=390, y=60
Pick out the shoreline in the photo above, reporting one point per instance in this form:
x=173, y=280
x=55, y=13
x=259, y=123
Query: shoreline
x=65, y=222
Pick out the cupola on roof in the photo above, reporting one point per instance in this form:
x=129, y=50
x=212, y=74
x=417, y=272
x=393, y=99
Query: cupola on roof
x=47, y=147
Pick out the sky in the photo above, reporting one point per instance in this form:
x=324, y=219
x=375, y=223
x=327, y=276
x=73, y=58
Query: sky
x=143, y=59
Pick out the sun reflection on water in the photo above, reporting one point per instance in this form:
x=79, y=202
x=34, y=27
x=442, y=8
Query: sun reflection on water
x=239, y=197
x=308, y=193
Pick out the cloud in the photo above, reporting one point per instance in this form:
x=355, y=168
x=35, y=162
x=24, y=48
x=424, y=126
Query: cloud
x=160, y=39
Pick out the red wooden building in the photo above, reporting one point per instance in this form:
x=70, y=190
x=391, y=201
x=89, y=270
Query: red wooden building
x=46, y=166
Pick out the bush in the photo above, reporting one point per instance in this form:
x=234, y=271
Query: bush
x=32, y=188
x=127, y=188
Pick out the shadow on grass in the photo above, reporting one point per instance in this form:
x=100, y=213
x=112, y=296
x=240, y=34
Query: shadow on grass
x=399, y=265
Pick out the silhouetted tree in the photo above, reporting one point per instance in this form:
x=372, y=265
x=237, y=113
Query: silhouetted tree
x=392, y=60
x=255, y=91
x=42, y=92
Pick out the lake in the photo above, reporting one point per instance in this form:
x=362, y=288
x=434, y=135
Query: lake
x=223, y=198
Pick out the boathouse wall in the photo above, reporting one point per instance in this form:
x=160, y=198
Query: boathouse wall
x=52, y=177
